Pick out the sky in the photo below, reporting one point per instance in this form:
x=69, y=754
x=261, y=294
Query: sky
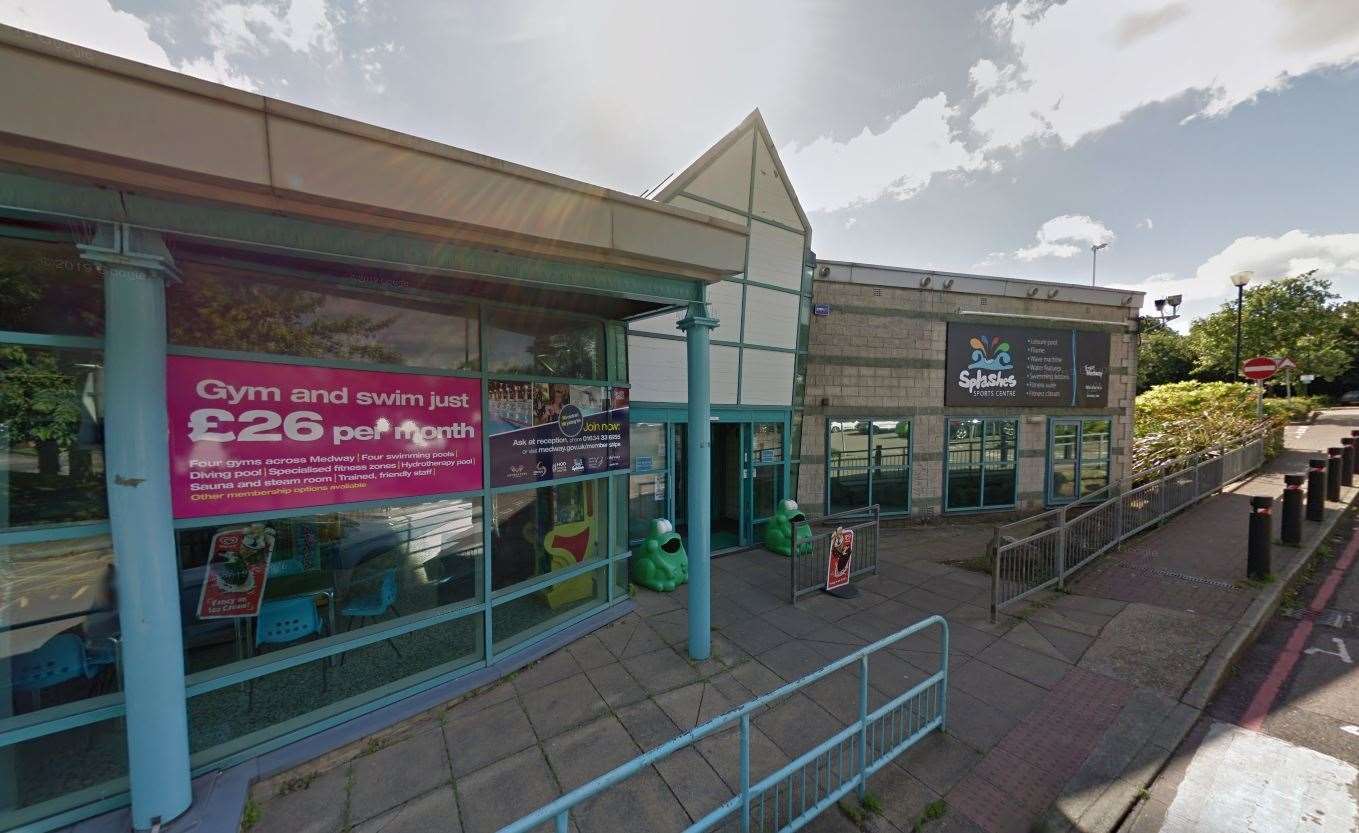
x=1198, y=138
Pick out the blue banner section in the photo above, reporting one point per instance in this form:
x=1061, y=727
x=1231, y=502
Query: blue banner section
x=542, y=432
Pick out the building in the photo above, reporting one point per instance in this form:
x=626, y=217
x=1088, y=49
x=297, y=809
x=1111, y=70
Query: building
x=304, y=421
x=939, y=394
x=393, y=377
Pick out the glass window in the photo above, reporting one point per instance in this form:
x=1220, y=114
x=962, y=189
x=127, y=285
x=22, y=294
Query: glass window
x=767, y=442
x=346, y=570
x=49, y=288
x=981, y=460
x=535, y=344
x=43, y=776
x=51, y=436
x=540, y=531
x=260, y=312
x=519, y=620
x=647, y=445
x=1078, y=458
x=236, y=717
x=869, y=464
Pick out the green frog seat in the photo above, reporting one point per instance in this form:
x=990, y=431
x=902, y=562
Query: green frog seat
x=661, y=563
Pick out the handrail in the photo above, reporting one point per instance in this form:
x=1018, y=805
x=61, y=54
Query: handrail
x=857, y=733
x=1028, y=564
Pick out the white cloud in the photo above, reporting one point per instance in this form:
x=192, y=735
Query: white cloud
x=303, y=26
x=1080, y=67
x=95, y=24
x=898, y=162
x=1334, y=256
x=1146, y=223
x=1066, y=236
x=849, y=223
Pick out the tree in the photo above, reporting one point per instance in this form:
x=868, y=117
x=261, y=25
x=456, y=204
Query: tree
x=1163, y=355
x=1294, y=317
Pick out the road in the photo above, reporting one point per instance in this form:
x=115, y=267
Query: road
x=1277, y=750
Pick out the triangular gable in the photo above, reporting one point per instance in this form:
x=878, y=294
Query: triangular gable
x=779, y=204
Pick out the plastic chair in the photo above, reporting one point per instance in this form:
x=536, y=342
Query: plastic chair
x=59, y=659
x=374, y=604
x=287, y=620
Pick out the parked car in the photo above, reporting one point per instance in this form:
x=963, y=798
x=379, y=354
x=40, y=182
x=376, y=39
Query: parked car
x=1349, y=397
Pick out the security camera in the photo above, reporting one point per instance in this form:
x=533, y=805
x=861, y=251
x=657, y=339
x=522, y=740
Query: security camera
x=1160, y=304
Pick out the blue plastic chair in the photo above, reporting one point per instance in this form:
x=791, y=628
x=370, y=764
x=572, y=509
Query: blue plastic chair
x=58, y=660
x=375, y=603
x=287, y=620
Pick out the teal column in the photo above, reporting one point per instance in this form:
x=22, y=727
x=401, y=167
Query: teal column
x=697, y=327
x=136, y=266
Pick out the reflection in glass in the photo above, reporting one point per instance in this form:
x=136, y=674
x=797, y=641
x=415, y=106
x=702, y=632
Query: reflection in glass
x=236, y=717
x=869, y=464
x=981, y=467
x=260, y=312
x=540, y=531
x=339, y=571
x=647, y=446
x=38, y=777
x=767, y=442
x=521, y=619
x=646, y=503
x=51, y=436
x=538, y=344
x=768, y=489
x=49, y=288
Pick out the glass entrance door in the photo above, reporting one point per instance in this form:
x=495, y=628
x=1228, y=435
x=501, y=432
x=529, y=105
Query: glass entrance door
x=1078, y=458
x=748, y=461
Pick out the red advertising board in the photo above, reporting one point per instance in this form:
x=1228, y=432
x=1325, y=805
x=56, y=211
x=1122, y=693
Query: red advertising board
x=238, y=567
x=257, y=436
x=1259, y=368
x=841, y=557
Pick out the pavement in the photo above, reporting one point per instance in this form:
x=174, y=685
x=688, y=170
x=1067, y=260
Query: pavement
x=1060, y=713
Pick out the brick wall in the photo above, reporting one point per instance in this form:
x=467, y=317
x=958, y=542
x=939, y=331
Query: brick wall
x=880, y=354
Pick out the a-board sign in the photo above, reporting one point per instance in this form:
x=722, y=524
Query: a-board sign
x=841, y=558
x=1004, y=366
x=238, y=566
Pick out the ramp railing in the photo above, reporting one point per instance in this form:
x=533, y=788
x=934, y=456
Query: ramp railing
x=811, y=549
x=1040, y=551
x=793, y=795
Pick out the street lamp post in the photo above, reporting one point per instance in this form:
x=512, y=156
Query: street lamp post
x=1239, y=280
x=1094, y=257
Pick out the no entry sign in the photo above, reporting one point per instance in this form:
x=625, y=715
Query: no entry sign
x=1259, y=368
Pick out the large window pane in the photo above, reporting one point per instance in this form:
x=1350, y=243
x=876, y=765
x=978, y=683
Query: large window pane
x=892, y=489
x=891, y=442
x=521, y=619
x=768, y=442
x=536, y=344
x=540, y=531
x=964, y=442
x=647, y=446
x=58, y=623
x=646, y=503
x=260, y=312
x=49, y=288
x=848, y=489
x=981, y=463
x=239, y=716
x=43, y=776
x=1000, y=446
x=344, y=570
x=1095, y=434
x=51, y=436
x=999, y=486
x=768, y=489
x=964, y=487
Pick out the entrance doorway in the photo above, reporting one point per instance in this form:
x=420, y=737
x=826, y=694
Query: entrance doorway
x=747, y=480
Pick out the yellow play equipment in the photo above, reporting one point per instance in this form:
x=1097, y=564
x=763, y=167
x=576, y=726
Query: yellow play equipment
x=568, y=544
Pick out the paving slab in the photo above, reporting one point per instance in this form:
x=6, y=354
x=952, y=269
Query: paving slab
x=436, y=810
x=476, y=739
x=312, y=805
x=507, y=790
x=1155, y=647
x=395, y=774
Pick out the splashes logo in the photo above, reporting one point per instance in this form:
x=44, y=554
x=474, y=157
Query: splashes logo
x=990, y=354
x=991, y=373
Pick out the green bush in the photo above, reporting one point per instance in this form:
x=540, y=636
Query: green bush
x=1185, y=417
x=1296, y=409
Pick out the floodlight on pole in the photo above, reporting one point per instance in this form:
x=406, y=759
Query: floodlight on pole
x=1094, y=257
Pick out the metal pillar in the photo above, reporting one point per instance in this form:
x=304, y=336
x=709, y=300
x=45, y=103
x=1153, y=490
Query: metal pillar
x=697, y=327
x=136, y=266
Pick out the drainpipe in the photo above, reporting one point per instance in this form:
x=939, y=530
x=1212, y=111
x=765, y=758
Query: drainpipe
x=136, y=266
x=697, y=327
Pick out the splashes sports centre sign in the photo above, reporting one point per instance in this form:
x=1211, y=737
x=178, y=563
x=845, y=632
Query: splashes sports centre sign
x=1001, y=366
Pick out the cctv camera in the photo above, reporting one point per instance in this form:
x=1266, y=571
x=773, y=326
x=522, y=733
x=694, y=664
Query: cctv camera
x=1160, y=304
x=1175, y=300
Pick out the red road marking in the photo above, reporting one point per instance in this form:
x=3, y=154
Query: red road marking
x=1254, y=718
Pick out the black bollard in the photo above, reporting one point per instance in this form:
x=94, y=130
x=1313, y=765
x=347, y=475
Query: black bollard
x=1257, y=549
x=1355, y=434
x=1347, y=461
x=1333, y=461
x=1290, y=530
x=1316, y=489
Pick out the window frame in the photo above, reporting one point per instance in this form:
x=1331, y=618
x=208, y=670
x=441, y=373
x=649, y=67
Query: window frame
x=1012, y=465
x=870, y=468
x=1049, y=497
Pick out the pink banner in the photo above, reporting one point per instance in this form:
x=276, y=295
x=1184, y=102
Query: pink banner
x=254, y=436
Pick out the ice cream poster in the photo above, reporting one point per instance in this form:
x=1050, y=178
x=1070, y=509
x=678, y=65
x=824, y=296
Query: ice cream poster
x=238, y=565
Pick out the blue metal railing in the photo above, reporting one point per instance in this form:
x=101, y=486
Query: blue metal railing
x=794, y=794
